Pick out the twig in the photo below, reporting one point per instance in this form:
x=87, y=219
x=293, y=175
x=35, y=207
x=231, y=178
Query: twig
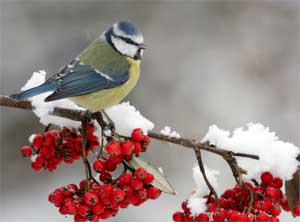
x=238, y=172
x=202, y=169
x=84, y=157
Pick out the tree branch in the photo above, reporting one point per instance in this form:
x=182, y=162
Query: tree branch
x=78, y=115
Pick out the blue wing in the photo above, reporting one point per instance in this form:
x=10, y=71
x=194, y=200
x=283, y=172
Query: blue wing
x=83, y=79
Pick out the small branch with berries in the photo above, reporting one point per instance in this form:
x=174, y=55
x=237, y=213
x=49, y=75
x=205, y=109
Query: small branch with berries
x=184, y=142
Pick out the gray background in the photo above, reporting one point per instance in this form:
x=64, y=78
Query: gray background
x=207, y=62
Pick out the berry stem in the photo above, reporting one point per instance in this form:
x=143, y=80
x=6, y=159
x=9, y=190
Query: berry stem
x=202, y=169
x=84, y=156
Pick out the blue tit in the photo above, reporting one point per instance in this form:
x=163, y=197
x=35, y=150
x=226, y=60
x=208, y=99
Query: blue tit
x=102, y=74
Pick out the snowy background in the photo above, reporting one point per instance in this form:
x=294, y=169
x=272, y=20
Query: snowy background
x=207, y=62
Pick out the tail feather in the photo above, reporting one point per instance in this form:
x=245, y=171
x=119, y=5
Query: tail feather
x=34, y=91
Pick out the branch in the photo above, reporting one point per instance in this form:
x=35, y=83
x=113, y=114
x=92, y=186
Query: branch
x=202, y=169
x=80, y=115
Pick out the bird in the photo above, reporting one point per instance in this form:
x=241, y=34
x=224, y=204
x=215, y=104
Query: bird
x=102, y=75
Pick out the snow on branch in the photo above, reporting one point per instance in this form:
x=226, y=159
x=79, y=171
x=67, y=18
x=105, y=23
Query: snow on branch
x=276, y=156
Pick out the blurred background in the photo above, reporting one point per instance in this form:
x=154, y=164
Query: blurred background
x=207, y=62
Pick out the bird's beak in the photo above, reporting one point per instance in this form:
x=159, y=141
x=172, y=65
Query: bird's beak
x=142, y=46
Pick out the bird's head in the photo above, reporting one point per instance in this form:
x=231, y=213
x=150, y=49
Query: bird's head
x=126, y=39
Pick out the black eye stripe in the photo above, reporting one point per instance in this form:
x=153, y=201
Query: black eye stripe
x=127, y=40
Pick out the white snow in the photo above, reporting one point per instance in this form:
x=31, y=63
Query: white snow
x=167, y=131
x=196, y=205
x=33, y=157
x=276, y=156
x=160, y=169
x=196, y=202
x=43, y=109
x=125, y=116
x=31, y=138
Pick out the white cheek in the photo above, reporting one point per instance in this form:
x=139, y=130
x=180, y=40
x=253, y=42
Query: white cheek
x=123, y=47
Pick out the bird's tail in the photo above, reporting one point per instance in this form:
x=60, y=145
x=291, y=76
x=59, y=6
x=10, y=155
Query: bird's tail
x=34, y=91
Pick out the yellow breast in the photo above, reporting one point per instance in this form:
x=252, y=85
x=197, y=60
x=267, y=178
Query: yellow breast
x=108, y=97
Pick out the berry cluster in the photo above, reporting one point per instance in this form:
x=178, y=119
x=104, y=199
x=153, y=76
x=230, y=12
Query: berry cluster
x=50, y=149
x=104, y=201
x=268, y=200
x=119, y=151
x=93, y=200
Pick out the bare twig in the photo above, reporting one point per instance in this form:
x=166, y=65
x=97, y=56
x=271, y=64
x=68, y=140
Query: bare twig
x=84, y=156
x=202, y=169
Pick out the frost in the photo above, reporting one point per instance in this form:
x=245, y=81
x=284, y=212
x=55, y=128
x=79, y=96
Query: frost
x=125, y=116
x=167, y=131
x=276, y=156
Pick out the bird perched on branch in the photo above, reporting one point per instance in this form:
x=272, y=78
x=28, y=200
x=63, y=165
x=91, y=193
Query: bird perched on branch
x=102, y=74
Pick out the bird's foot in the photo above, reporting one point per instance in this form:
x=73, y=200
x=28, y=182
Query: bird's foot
x=88, y=115
x=110, y=124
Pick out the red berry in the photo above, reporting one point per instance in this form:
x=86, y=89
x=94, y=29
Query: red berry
x=202, y=217
x=277, y=182
x=56, y=198
x=98, y=208
x=285, y=205
x=110, y=166
x=26, y=151
x=48, y=140
x=115, y=159
x=37, y=141
x=36, y=166
x=142, y=194
x=178, y=217
x=83, y=210
x=149, y=178
x=136, y=184
x=271, y=193
x=132, y=199
x=113, y=149
x=125, y=179
x=219, y=215
x=266, y=178
x=70, y=206
x=118, y=195
x=153, y=193
x=127, y=148
x=140, y=173
x=90, y=198
x=83, y=184
x=296, y=210
x=106, y=190
x=137, y=147
x=262, y=217
x=137, y=135
x=275, y=211
x=79, y=218
x=105, y=177
x=99, y=166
